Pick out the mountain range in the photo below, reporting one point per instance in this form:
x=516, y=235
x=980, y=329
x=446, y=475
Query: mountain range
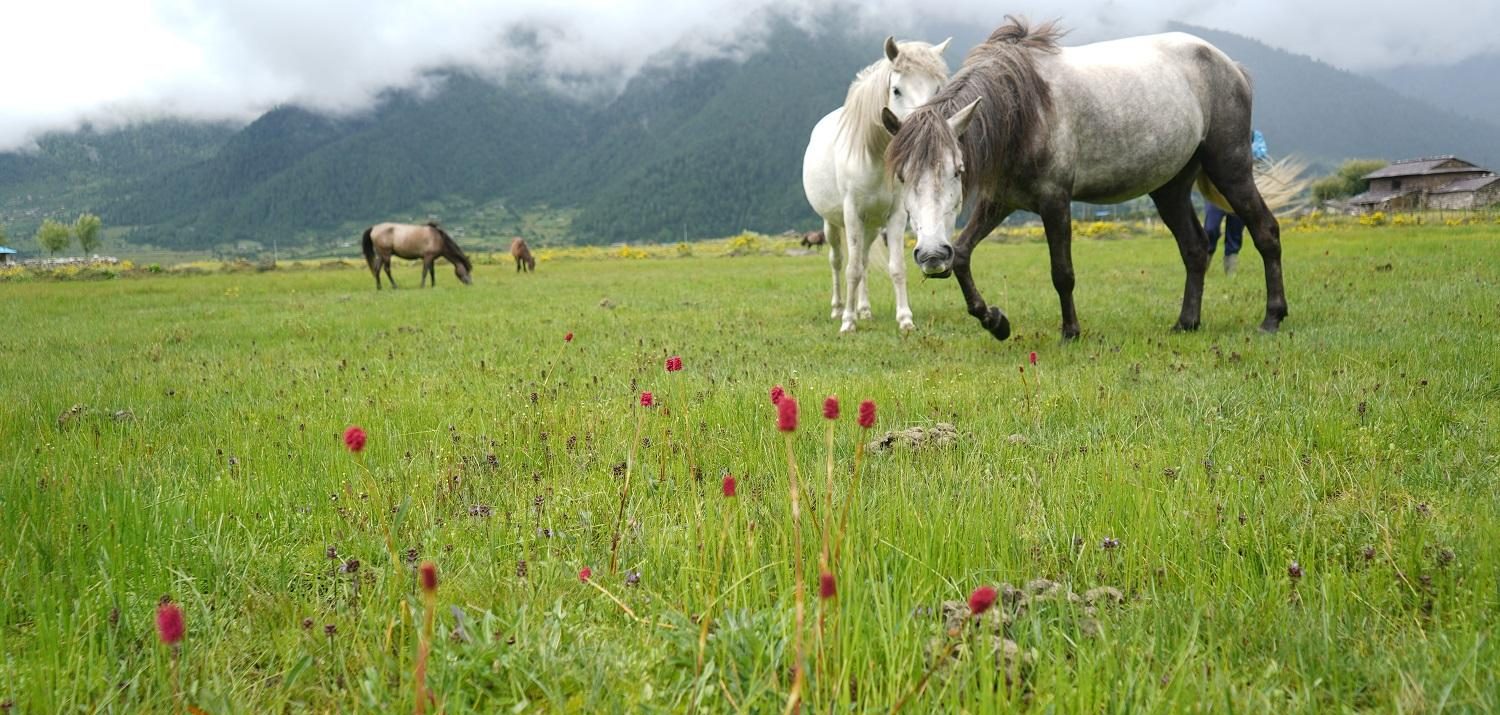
x=686, y=150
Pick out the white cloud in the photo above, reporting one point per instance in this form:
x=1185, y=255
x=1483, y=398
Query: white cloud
x=110, y=61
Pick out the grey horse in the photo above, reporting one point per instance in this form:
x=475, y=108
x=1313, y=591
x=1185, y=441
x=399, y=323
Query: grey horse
x=1027, y=124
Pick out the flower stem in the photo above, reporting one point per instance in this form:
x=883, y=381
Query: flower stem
x=794, y=698
x=625, y=493
x=859, y=458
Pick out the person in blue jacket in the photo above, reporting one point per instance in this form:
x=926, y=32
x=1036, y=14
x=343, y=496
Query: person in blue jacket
x=1217, y=221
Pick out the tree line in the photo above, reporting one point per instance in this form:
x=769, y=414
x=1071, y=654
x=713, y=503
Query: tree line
x=54, y=236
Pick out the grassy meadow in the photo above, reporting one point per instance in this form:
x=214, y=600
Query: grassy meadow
x=1304, y=522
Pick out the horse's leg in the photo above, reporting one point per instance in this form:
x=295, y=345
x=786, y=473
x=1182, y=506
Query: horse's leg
x=374, y=263
x=836, y=262
x=1174, y=201
x=1057, y=220
x=386, y=262
x=1230, y=166
x=895, y=245
x=854, y=267
x=1234, y=176
x=985, y=218
x=863, y=310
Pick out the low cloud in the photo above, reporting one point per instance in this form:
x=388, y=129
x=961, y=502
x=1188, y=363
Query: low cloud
x=71, y=61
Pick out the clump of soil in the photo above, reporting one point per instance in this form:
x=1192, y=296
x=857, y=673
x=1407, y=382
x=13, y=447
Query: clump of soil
x=991, y=632
x=941, y=434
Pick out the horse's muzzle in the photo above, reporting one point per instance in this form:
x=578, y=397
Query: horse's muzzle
x=935, y=264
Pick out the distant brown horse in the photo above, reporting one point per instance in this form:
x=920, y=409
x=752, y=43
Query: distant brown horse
x=813, y=238
x=522, y=253
x=427, y=242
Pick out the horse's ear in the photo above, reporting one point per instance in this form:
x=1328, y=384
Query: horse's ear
x=959, y=122
x=891, y=52
x=942, y=47
x=889, y=119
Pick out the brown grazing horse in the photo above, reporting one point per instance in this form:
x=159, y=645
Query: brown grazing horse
x=427, y=242
x=522, y=253
x=813, y=238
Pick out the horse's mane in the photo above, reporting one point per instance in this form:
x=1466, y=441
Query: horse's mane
x=451, y=246
x=1013, y=107
x=859, y=127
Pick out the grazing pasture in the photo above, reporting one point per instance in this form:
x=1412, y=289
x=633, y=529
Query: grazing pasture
x=1303, y=522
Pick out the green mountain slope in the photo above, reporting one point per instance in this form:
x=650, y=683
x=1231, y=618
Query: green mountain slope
x=685, y=151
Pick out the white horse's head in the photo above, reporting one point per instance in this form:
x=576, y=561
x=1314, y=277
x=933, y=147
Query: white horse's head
x=928, y=160
x=918, y=71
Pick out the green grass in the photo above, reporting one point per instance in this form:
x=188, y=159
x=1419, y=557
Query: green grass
x=1215, y=458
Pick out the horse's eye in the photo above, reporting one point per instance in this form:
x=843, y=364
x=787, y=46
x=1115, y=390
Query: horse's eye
x=896, y=91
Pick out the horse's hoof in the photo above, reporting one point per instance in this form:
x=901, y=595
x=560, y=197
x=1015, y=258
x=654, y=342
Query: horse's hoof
x=847, y=327
x=1182, y=327
x=907, y=326
x=865, y=314
x=1070, y=334
x=837, y=313
x=996, y=322
x=1270, y=326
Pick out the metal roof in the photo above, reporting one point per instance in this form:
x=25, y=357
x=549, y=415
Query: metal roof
x=1473, y=184
x=3, y=249
x=1422, y=167
x=1379, y=197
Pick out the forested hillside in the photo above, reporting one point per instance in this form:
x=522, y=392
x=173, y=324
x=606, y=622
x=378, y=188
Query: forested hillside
x=687, y=150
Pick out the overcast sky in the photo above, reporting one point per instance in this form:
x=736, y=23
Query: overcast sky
x=107, y=61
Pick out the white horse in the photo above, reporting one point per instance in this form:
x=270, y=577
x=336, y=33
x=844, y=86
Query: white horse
x=845, y=179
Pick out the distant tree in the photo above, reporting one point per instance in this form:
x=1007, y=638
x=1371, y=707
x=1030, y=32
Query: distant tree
x=2, y=235
x=53, y=236
x=1347, y=181
x=86, y=230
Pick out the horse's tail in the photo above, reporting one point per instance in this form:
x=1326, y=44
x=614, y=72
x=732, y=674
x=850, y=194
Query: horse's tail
x=451, y=248
x=369, y=246
x=1280, y=183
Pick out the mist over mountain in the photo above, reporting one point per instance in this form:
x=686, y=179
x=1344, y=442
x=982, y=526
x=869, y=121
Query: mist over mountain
x=687, y=150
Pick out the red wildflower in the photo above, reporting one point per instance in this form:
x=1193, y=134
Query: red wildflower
x=776, y=394
x=831, y=407
x=428, y=573
x=674, y=363
x=786, y=414
x=354, y=439
x=169, y=625
x=729, y=485
x=585, y=574
x=867, y=414
x=981, y=600
x=826, y=589
x=647, y=399
x=569, y=337
x=1033, y=357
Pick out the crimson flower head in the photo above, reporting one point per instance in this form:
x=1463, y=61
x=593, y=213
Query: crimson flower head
x=169, y=625
x=776, y=394
x=569, y=337
x=826, y=587
x=831, y=407
x=867, y=414
x=786, y=414
x=647, y=399
x=981, y=600
x=674, y=363
x=354, y=439
x=585, y=574
x=428, y=573
x=1032, y=357
x=729, y=485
